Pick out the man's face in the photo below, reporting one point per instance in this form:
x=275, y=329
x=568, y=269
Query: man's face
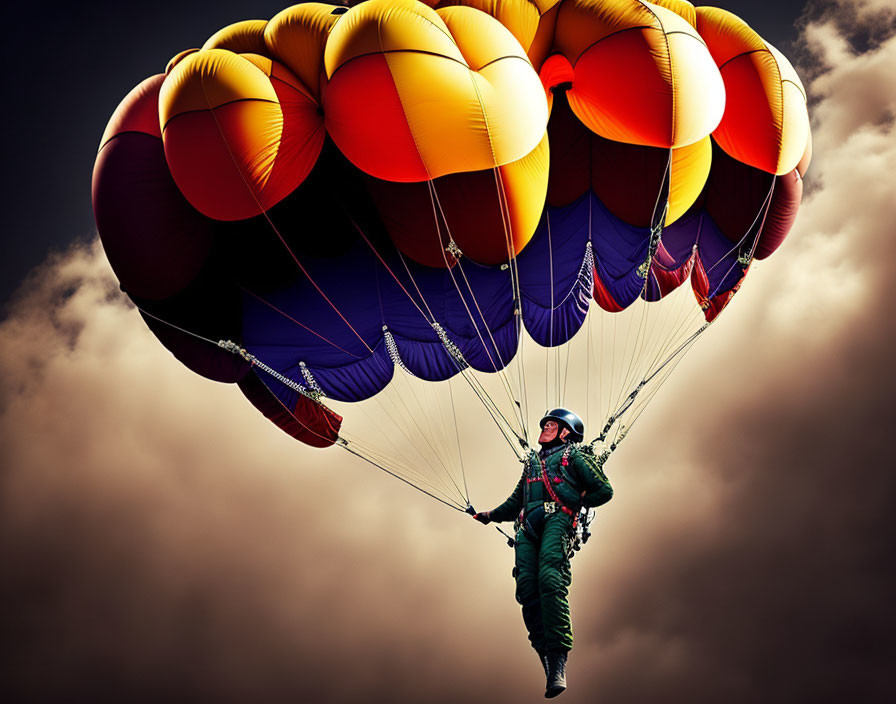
x=549, y=432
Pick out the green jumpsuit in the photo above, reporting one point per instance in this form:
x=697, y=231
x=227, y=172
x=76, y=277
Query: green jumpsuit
x=542, y=568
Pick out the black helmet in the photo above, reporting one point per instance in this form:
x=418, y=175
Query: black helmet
x=566, y=419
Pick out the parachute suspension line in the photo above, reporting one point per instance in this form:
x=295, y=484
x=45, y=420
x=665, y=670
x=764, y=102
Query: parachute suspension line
x=760, y=216
x=666, y=327
x=547, y=355
x=409, y=470
x=283, y=379
x=456, y=253
x=633, y=360
x=594, y=311
x=315, y=284
x=290, y=383
x=301, y=325
x=443, y=424
x=506, y=429
x=275, y=228
x=674, y=326
x=657, y=219
x=555, y=376
x=345, y=445
x=633, y=395
x=666, y=373
x=453, y=351
x=565, y=377
x=437, y=208
x=438, y=431
x=460, y=454
x=624, y=357
x=392, y=349
x=615, y=319
x=404, y=406
x=176, y=327
x=517, y=303
x=640, y=351
x=517, y=298
x=521, y=373
x=409, y=418
x=396, y=279
x=396, y=449
x=450, y=348
x=745, y=260
x=589, y=328
x=313, y=394
x=669, y=365
x=256, y=363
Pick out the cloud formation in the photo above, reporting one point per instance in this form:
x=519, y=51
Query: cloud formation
x=161, y=541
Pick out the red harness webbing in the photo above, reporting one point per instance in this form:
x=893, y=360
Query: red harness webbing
x=556, y=499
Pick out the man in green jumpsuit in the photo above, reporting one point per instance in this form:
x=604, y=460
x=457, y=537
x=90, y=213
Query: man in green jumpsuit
x=557, y=482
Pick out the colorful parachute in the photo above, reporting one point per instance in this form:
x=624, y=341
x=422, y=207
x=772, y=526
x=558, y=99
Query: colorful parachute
x=340, y=201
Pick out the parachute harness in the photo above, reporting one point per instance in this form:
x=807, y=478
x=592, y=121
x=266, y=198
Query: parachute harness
x=557, y=503
x=580, y=530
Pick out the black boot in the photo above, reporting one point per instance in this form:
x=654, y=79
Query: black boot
x=556, y=683
x=544, y=661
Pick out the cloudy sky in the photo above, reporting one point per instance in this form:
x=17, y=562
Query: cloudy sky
x=160, y=541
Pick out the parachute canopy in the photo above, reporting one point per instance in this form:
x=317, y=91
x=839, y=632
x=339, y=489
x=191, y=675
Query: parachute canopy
x=340, y=201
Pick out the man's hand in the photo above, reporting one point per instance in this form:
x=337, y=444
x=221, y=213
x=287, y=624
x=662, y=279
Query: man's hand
x=484, y=518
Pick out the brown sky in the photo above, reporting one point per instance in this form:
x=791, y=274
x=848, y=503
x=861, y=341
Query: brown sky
x=160, y=541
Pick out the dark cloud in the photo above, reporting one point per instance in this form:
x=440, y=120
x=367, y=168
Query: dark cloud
x=161, y=542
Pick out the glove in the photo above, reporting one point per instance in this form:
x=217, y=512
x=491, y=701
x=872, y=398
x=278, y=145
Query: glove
x=484, y=518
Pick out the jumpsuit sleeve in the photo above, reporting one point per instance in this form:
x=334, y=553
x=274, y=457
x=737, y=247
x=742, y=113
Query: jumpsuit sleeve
x=511, y=508
x=596, y=489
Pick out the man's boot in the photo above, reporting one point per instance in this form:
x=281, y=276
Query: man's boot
x=544, y=661
x=556, y=682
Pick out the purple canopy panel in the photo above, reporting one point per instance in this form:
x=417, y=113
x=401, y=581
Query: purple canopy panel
x=427, y=360
x=355, y=381
x=556, y=271
x=337, y=324
x=674, y=258
x=620, y=250
x=720, y=259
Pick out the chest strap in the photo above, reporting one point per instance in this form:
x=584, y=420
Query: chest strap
x=553, y=494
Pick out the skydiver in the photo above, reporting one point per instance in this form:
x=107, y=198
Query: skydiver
x=556, y=483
